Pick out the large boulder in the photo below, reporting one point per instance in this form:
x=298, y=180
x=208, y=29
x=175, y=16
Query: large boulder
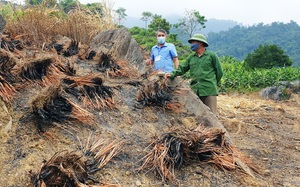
x=118, y=44
x=2, y=25
x=195, y=106
x=281, y=92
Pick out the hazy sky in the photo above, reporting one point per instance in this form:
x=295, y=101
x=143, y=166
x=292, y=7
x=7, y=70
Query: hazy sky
x=247, y=12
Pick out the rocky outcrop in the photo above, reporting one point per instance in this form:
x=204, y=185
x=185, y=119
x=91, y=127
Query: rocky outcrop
x=195, y=106
x=2, y=25
x=118, y=44
x=281, y=92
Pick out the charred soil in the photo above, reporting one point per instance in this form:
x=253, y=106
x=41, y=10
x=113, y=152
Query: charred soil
x=63, y=104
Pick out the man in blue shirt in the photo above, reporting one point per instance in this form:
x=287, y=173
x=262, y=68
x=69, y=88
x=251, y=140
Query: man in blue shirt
x=164, y=54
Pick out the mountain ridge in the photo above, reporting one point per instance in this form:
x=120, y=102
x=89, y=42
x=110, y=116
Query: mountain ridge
x=212, y=24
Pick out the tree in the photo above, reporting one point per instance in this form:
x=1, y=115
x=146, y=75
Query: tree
x=49, y=3
x=46, y=3
x=95, y=8
x=33, y=2
x=121, y=14
x=268, y=56
x=191, y=23
x=159, y=23
x=68, y=5
x=146, y=16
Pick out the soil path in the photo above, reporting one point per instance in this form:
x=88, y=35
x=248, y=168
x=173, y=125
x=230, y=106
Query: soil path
x=267, y=130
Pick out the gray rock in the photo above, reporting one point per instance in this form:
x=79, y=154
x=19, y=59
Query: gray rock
x=118, y=44
x=295, y=86
x=282, y=92
x=275, y=93
x=2, y=25
x=196, y=107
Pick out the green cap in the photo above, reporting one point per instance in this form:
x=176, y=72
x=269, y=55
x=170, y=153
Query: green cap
x=200, y=38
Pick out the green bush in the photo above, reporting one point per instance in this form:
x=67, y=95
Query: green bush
x=268, y=56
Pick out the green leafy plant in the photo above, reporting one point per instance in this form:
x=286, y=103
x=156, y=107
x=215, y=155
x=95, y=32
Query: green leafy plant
x=268, y=56
x=238, y=77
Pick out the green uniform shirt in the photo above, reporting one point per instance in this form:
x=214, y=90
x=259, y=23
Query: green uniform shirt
x=205, y=72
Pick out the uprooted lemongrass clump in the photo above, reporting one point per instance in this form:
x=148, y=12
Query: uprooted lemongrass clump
x=68, y=169
x=100, y=151
x=35, y=69
x=51, y=106
x=124, y=70
x=6, y=90
x=66, y=65
x=158, y=93
x=11, y=44
x=7, y=62
x=40, y=69
x=106, y=63
x=116, y=68
x=91, y=91
x=209, y=145
x=206, y=145
x=165, y=155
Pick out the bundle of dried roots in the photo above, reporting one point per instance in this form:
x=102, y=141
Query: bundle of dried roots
x=6, y=90
x=114, y=68
x=7, y=62
x=66, y=169
x=90, y=90
x=100, y=151
x=158, y=93
x=11, y=44
x=41, y=69
x=51, y=106
x=64, y=45
x=207, y=145
x=66, y=66
x=165, y=155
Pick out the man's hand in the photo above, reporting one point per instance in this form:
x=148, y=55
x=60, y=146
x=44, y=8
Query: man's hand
x=167, y=75
x=148, y=62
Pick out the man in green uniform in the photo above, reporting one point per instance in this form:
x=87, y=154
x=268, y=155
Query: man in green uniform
x=205, y=71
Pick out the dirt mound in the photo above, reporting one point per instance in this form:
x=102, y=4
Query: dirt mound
x=79, y=99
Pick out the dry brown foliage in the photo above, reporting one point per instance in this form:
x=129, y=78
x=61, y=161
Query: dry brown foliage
x=44, y=69
x=100, y=150
x=38, y=24
x=73, y=169
x=51, y=105
x=206, y=145
x=6, y=90
x=123, y=70
x=91, y=91
x=157, y=93
x=159, y=161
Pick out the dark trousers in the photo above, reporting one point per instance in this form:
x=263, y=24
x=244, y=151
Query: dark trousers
x=211, y=102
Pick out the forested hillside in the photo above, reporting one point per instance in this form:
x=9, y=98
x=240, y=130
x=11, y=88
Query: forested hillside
x=239, y=41
x=212, y=25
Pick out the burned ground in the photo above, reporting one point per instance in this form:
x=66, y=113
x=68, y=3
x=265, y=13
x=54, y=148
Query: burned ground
x=266, y=131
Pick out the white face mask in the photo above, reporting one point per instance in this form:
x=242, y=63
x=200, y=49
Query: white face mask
x=161, y=40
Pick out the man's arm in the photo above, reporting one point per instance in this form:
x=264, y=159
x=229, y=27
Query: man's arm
x=176, y=63
x=149, y=61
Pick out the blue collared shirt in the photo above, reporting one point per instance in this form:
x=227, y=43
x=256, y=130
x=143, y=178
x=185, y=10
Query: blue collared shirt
x=163, y=57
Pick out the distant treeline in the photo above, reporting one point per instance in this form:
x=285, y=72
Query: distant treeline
x=239, y=41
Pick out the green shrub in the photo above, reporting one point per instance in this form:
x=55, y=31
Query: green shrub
x=268, y=56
